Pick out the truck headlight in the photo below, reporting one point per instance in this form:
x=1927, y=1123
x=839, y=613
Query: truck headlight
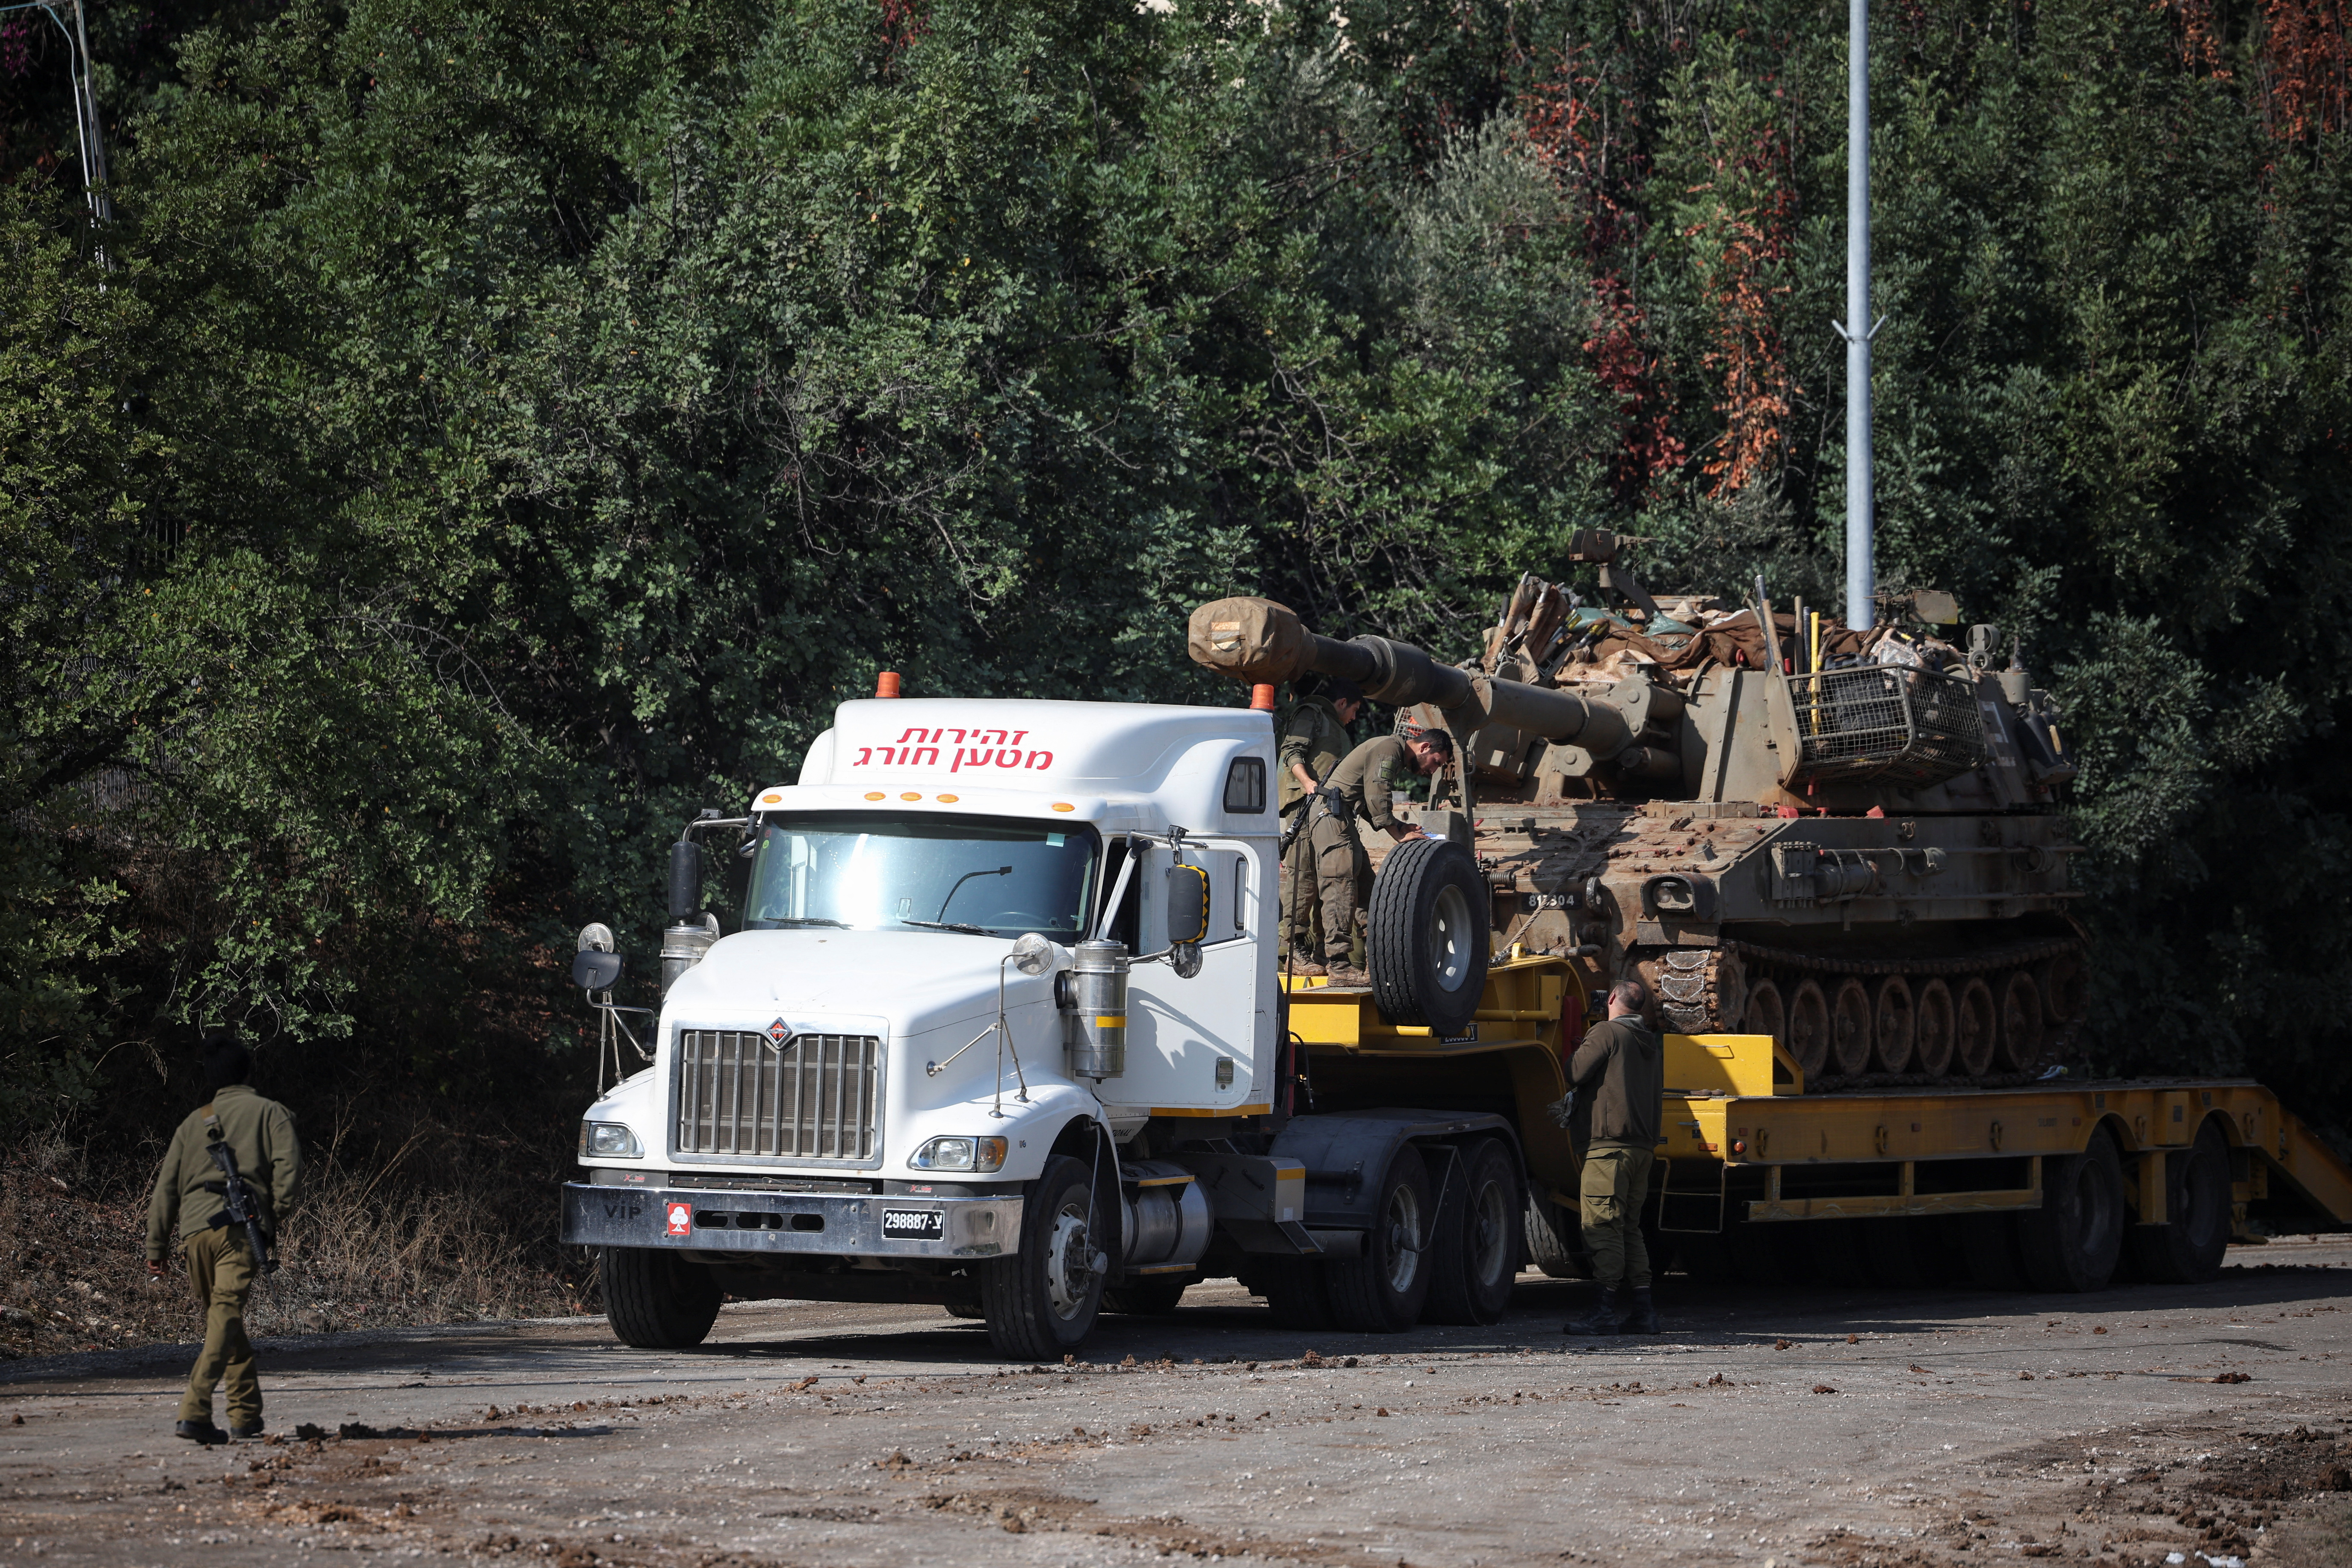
x=614, y=1138
x=959, y=1154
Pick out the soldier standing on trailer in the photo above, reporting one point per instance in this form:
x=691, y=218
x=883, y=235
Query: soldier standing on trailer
x=1313, y=741
x=1621, y=1068
x=1343, y=872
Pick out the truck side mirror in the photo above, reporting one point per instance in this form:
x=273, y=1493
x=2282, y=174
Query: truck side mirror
x=685, y=880
x=1188, y=905
x=594, y=970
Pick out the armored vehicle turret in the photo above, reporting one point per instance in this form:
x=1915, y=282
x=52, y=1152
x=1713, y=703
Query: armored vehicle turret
x=1849, y=839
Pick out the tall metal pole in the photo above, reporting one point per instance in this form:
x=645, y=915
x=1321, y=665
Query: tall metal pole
x=1860, y=577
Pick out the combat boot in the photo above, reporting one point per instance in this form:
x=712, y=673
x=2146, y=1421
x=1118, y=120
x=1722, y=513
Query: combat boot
x=1644, y=1318
x=1604, y=1318
x=1345, y=974
x=203, y=1432
x=1304, y=966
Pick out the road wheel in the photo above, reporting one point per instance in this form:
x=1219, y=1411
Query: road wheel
x=1934, y=1030
x=2187, y=1248
x=1427, y=935
x=1988, y=1242
x=1850, y=1028
x=1767, y=1014
x=2020, y=1023
x=1295, y=1291
x=1974, y=1028
x=1808, y=1028
x=2062, y=982
x=1552, y=1235
x=1891, y=1031
x=2071, y=1241
x=657, y=1300
x=1383, y=1291
x=1150, y=1296
x=1474, y=1255
x=1042, y=1300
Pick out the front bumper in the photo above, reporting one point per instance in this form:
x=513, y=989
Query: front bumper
x=822, y=1223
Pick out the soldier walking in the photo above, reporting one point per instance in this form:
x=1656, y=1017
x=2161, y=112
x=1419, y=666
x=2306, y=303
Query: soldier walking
x=1312, y=743
x=1362, y=784
x=1621, y=1069
x=190, y=1189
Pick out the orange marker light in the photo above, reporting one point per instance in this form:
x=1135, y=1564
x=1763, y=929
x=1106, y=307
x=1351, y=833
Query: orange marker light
x=874, y=795
x=950, y=799
x=1064, y=805
x=910, y=795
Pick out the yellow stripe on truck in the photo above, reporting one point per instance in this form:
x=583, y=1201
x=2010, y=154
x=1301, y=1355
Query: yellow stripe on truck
x=1110, y=1020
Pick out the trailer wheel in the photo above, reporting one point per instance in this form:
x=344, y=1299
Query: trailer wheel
x=657, y=1300
x=1381, y=1291
x=1043, y=1300
x=1552, y=1235
x=2020, y=1022
x=1973, y=1027
x=2071, y=1242
x=1934, y=1030
x=1152, y=1295
x=2187, y=1248
x=1808, y=1028
x=1850, y=1028
x=1295, y=1293
x=1890, y=1026
x=1427, y=936
x=1475, y=1254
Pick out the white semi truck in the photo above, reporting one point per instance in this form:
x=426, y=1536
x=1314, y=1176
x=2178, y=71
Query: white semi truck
x=1001, y=1029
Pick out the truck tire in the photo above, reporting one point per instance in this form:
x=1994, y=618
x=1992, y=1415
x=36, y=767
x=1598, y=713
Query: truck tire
x=1295, y=1293
x=657, y=1300
x=1043, y=1300
x=1552, y=1235
x=1428, y=935
x=2072, y=1242
x=1383, y=1290
x=1152, y=1295
x=2187, y=1248
x=1475, y=1254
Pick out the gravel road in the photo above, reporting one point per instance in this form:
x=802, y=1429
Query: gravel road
x=1771, y=1428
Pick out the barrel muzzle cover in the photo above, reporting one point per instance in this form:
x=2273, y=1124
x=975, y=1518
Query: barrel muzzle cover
x=1249, y=639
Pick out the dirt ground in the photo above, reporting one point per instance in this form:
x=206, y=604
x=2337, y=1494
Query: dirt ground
x=1771, y=1428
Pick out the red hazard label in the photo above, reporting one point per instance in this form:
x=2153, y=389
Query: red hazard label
x=681, y=1219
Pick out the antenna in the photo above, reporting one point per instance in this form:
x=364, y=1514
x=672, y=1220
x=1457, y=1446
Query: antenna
x=1861, y=610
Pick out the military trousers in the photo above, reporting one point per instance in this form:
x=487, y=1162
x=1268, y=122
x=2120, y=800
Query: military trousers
x=1343, y=879
x=1615, y=1181
x=1302, y=916
x=220, y=1271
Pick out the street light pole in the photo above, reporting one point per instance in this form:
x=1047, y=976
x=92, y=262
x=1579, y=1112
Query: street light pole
x=1858, y=328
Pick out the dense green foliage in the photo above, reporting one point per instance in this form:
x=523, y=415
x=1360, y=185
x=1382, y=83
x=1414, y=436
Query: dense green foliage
x=506, y=428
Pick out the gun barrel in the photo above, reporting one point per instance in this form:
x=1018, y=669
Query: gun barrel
x=1259, y=640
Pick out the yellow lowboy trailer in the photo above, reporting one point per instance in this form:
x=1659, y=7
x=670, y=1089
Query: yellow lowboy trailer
x=2061, y=1185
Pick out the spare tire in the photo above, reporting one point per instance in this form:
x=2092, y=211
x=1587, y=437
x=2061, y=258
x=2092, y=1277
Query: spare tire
x=1428, y=935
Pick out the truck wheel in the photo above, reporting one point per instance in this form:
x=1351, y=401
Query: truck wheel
x=1152, y=1296
x=657, y=1300
x=1473, y=1258
x=2187, y=1248
x=1295, y=1293
x=1383, y=1291
x=1042, y=1300
x=1428, y=935
x=2071, y=1241
x=1551, y=1233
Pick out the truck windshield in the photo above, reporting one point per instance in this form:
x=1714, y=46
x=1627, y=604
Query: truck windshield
x=866, y=871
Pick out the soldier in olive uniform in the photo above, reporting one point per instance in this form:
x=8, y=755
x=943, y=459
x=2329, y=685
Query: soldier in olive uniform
x=1620, y=1071
x=1312, y=743
x=1363, y=784
x=190, y=1190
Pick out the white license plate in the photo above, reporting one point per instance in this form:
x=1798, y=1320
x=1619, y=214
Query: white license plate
x=914, y=1225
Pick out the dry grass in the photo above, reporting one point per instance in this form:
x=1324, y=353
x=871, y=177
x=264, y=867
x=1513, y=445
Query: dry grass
x=365, y=1247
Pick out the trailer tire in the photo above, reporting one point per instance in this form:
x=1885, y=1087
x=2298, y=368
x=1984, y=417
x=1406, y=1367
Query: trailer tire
x=1382, y=1291
x=1427, y=935
x=1552, y=1235
x=1043, y=1300
x=2187, y=1249
x=2072, y=1242
x=1152, y=1296
x=1475, y=1254
x=1295, y=1293
x=657, y=1300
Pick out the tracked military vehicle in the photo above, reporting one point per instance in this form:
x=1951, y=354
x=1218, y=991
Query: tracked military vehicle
x=1847, y=839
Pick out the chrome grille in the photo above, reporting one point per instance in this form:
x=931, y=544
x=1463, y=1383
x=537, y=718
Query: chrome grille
x=814, y=1097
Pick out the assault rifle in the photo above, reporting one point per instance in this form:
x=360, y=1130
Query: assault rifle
x=242, y=1207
